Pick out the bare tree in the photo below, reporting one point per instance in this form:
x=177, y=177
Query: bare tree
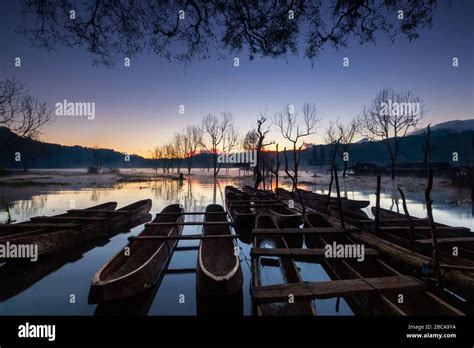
x=185, y=29
x=261, y=132
x=192, y=141
x=177, y=150
x=215, y=131
x=389, y=118
x=20, y=112
x=230, y=140
x=427, y=148
x=97, y=158
x=156, y=155
x=294, y=131
x=249, y=142
x=340, y=136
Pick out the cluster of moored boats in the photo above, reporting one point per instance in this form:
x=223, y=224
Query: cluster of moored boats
x=397, y=265
x=396, y=277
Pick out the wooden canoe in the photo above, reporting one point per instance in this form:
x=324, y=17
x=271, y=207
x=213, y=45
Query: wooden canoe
x=288, y=269
x=23, y=275
x=456, y=281
x=318, y=201
x=392, y=217
x=218, y=270
x=29, y=226
x=416, y=300
x=139, y=265
x=243, y=217
x=68, y=232
x=356, y=218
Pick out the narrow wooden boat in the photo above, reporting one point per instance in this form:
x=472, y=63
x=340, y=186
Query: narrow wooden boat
x=22, y=274
x=455, y=280
x=218, y=270
x=289, y=272
x=392, y=218
x=28, y=226
x=319, y=202
x=140, y=264
x=69, y=232
x=242, y=216
x=416, y=300
x=356, y=218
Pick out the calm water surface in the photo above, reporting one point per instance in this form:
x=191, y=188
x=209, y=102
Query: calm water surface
x=45, y=287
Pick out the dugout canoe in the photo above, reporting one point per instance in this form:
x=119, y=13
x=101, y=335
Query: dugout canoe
x=416, y=299
x=139, y=265
x=319, y=202
x=67, y=232
x=242, y=216
x=388, y=216
x=29, y=226
x=218, y=270
x=287, y=267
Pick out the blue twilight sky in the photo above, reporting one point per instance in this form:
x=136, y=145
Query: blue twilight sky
x=137, y=107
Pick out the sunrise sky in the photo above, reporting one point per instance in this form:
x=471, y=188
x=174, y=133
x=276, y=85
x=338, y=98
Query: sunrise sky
x=137, y=107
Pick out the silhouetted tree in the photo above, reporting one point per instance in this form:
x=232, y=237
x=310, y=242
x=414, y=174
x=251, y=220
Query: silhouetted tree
x=185, y=29
x=291, y=130
x=427, y=148
x=389, y=118
x=192, y=141
x=20, y=112
x=215, y=131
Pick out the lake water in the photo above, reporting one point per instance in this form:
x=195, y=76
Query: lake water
x=46, y=287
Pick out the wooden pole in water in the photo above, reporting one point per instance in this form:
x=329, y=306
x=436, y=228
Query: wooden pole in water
x=429, y=210
x=329, y=191
x=377, y=206
x=277, y=167
x=263, y=171
x=339, y=203
x=271, y=174
x=407, y=214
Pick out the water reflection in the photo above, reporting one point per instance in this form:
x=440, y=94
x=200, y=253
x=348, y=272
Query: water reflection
x=44, y=287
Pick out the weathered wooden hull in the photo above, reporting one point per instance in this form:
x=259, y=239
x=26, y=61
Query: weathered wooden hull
x=32, y=226
x=218, y=270
x=418, y=302
x=124, y=276
x=62, y=238
x=243, y=217
x=289, y=271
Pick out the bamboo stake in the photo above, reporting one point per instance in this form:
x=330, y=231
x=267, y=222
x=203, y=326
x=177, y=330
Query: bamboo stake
x=407, y=214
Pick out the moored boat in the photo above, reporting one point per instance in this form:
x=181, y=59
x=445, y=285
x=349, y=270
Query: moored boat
x=218, y=270
x=416, y=300
x=288, y=269
x=140, y=264
x=66, y=232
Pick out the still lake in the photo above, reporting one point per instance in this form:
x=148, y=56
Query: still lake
x=46, y=287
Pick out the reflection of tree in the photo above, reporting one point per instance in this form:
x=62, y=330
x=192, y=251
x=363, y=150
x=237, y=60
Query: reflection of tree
x=185, y=29
x=26, y=208
x=99, y=192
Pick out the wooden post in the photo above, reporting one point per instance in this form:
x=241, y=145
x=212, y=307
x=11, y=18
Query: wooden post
x=429, y=210
x=329, y=191
x=377, y=206
x=407, y=214
x=277, y=167
x=271, y=174
x=339, y=203
x=263, y=171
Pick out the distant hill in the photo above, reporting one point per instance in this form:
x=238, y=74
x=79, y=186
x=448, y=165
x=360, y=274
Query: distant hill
x=37, y=154
x=454, y=126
